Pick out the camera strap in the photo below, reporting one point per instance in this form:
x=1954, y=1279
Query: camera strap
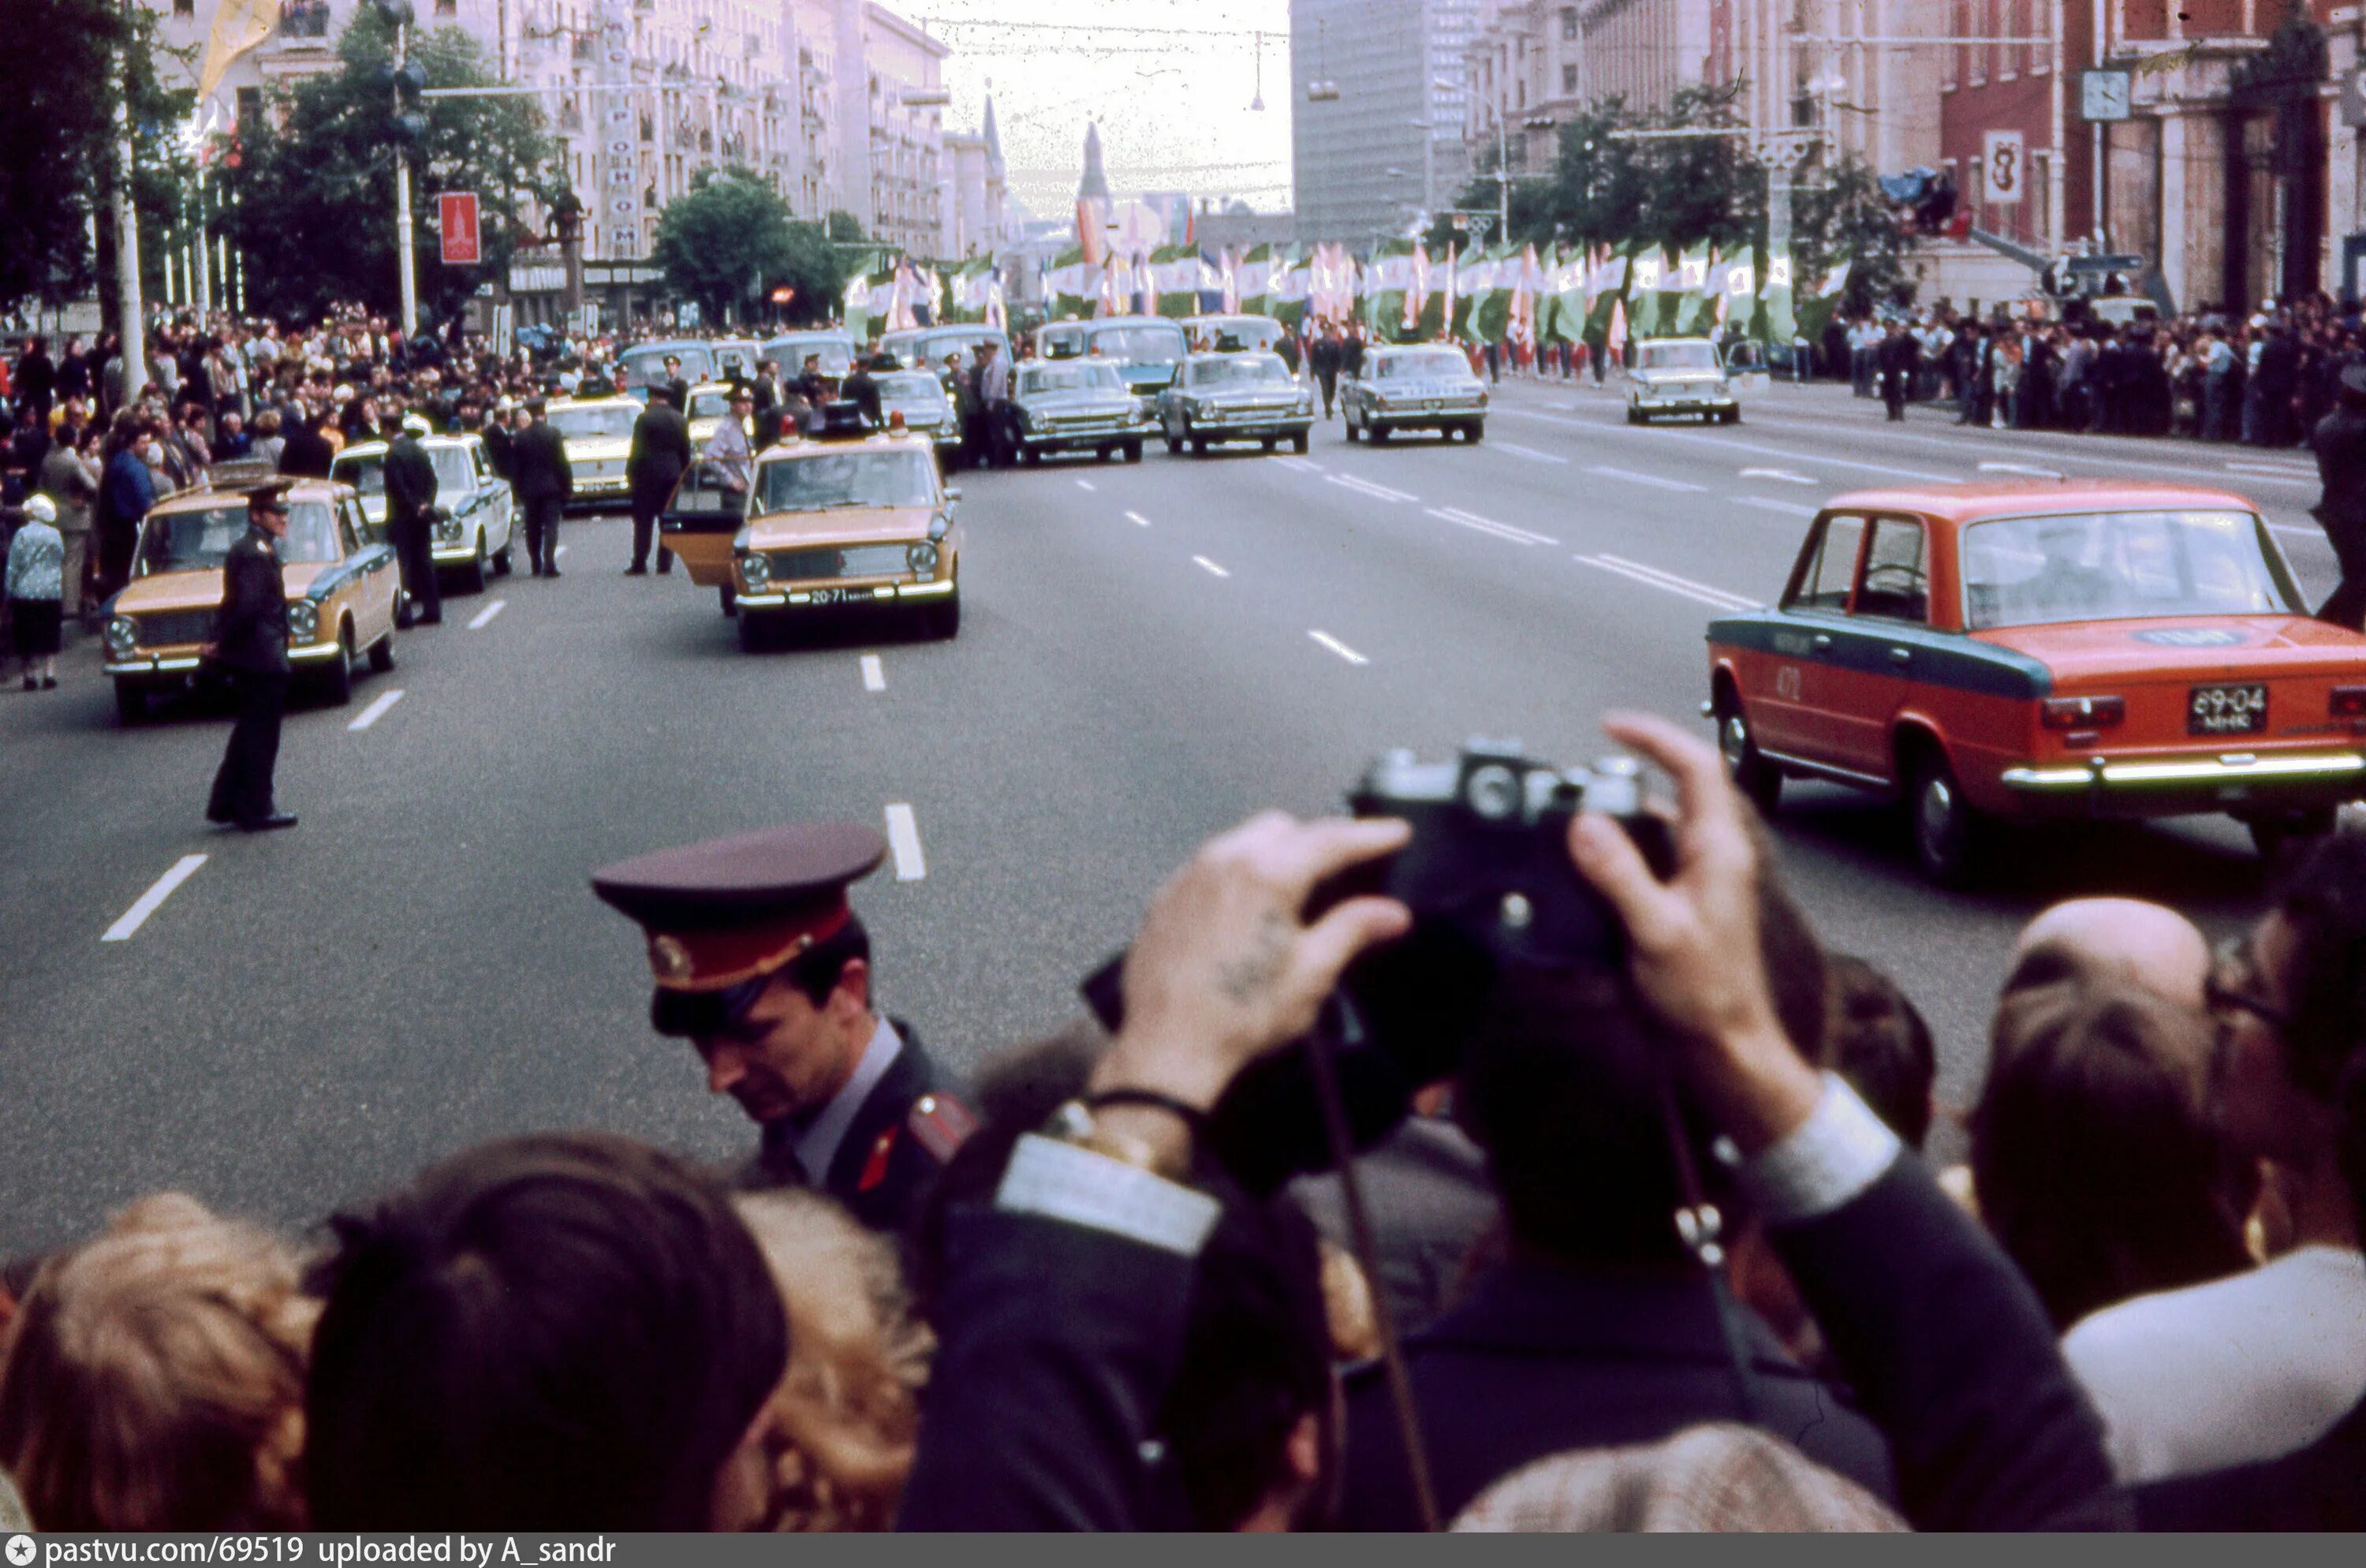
x=1360, y=1227
x=1702, y=1227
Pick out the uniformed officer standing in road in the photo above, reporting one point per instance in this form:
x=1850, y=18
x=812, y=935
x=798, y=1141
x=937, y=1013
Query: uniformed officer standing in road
x=2339, y=440
x=762, y=965
x=661, y=452
x=411, y=522
x=249, y=644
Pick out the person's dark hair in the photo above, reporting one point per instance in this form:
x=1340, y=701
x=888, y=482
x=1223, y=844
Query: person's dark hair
x=1562, y=1085
x=2049, y=963
x=2094, y=1159
x=815, y=970
x=558, y=1332
x=1874, y=1038
x=2324, y=905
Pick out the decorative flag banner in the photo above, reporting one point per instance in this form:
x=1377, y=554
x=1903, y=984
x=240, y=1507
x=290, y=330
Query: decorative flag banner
x=1290, y=289
x=1254, y=279
x=1172, y=281
x=1416, y=296
x=1075, y=281
x=1229, y=269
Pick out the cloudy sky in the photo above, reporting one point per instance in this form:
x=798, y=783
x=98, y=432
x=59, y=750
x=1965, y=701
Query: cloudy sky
x=1172, y=98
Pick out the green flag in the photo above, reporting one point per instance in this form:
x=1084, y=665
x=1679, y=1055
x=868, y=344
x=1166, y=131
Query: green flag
x=1693, y=299
x=1816, y=310
x=1391, y=277
x=1491, y=316
x=1256, y=272
x=1286, y=283
x=1606, y=290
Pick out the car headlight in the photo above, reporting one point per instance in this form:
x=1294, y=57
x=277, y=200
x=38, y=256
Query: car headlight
x=923, y=557
x=448, y=528
x=122, y=636
x=756, y=570
x=303, y=621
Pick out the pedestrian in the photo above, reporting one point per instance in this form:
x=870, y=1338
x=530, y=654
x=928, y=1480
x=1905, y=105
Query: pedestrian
x=543, y=481
x=127, y=491
x=69, y=478
x=2217, y=380
x=250, y=645
x=2340, y=441
x=35, y=587
x=661, y=452
x=306, y=451
x=1897, y=365
x=1324, y=359
x=993, y=396
x=410, y=478
x=761, y=963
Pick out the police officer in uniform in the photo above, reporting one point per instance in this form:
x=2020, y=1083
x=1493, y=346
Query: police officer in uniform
x=2339, y=440
x=762, y=964
x=410, y=478
x=250, y=643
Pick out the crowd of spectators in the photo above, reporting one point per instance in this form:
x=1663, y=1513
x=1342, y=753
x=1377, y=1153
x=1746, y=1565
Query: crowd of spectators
x=1653, y=1234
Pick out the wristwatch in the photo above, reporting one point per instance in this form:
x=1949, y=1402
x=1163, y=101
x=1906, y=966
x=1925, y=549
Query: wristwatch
x=1075, y=1123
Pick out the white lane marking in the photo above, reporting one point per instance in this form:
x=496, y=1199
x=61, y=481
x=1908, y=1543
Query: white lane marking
x=1211, y=568
x=1785, y=475
x=1530, y=453
x=1341, y=648
x=152, y=900
x=2030, y=470
x=484, y=617
x=2108, y=453
x=1365, y=487
x=1768, y=503
x=874, y=676
x=904, y=839
x=1632, y=477
x=1477, y=524
x=377, y=710
x=1668, y=581
x=1300, y=465
x=1605, y=427
x=1086, y=484
x=1138, y=520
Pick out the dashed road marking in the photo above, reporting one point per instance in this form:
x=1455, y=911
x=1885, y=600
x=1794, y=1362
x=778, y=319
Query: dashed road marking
x=153, y=900
x=1299, y=464
x=1530, y=453
x=484, y=617
x=1669, y=582
x=874, y=675
x=1211, y=568
x=1086, y=484
x=1365, y=487
x=1783, y=475
x=1632, y=477
x=1341, y=648
x=1768, y=503
x=903, y=839
x=376, y=710
x=1137, y=519
x=1479, y=525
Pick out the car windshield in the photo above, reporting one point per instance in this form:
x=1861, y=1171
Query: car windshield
x=605, y=422
x=710, y=402
x=1062, y=342
x=848, y=478
x=1677, y=357
x=366, y=472
x=788, y=353
x=1231, y=334
x=915, y=347
x=1070, y=378
x=199, y=541
x=1138, y=345
x=911, y=387
x=2109, y=566
x=646, y=366
x=1245, y=369
x=1439, y=366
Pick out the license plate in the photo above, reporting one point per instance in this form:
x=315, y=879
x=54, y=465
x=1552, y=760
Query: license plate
x=2226, y=710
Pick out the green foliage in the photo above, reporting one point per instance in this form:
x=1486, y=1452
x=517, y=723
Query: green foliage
x=1844, y=216
x=730, y=241
x=58, y=96
x=314, y=211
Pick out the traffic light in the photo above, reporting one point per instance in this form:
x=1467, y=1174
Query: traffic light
x=405, y=77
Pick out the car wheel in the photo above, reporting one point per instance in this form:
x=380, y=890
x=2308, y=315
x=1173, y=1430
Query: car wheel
x=337, y=681
x=1946, y=830
x=1350, y=426
x=1133, y=451
x=731, y=600
x=2281, y=835
x=1298, y=442
x=472, y=576
x=1731, y=416
x=1634, y=415
x=943, y=621
x=381, y=653
x=1198, y=446
x=755, y=634
x=1266, y=446
x=1378, y=432
x=1031, y=456
x=131, y=704
x=501, y=561
x=1103, y=454
x=1475, y=432
x=1751, y=773
x=1174, y=445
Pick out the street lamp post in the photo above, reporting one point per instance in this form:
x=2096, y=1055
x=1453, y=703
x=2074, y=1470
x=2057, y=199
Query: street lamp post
x=130, y=318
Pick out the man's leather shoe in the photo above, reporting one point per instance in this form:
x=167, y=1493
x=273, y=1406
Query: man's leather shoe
x=636, y=570
x=265, y=824
x=550, y=571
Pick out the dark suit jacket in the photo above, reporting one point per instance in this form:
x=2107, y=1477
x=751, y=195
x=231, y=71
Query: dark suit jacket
x=538, y=465
x=661, y=452
x=306, y=451
x=250, y=628
x=2321, y=1487
x=882, y=1171
x=2340, y=441
x=410, y=481
x=1546, y=1357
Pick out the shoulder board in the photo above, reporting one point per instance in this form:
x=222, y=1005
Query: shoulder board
x=941, y=1124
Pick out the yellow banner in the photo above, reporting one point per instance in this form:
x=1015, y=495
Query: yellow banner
x=239, y=25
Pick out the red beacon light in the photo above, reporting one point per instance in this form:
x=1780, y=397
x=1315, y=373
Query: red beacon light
x=896, y=423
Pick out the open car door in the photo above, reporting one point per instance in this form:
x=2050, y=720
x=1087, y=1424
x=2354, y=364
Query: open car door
x=701, y=518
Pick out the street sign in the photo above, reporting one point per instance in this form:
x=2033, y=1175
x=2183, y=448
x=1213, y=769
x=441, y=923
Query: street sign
x=455, y=219
x=2003, y=157
x=2105, y=95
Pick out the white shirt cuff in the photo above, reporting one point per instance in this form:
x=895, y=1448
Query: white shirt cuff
x=1826, y=1162
x=1062, y=1181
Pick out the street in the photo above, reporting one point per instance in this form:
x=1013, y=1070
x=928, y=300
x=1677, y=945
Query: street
x=1149, y=654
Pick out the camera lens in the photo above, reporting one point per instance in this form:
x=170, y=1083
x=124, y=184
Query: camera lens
x=1493, y=791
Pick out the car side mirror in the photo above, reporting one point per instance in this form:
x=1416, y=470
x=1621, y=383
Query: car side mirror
x=952, y=493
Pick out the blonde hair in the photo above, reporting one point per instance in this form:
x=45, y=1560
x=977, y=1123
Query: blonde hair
x=846, y=1412
x=153, y=1378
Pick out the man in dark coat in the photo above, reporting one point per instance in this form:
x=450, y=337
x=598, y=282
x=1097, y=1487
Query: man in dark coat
x=1896, y=361
x=2276, y=380
x=661, y=452
x=762, y=964
x=411, y=522
x=36, y=380
x=1323, y=360
x=250, y=645
x=542, y=481
x=306, y=451
x=2340, y=441
x=861, y=390
x=127, y=489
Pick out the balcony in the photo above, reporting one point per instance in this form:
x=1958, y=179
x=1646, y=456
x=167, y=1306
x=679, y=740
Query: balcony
x=304, y=20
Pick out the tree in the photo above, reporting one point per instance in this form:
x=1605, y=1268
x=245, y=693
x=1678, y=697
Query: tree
x=58, y=97
x=729, y=240
x=1845, y=217
x=314, y=188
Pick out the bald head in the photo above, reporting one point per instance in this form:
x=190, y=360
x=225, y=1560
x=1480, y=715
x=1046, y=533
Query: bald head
x=2156, y=948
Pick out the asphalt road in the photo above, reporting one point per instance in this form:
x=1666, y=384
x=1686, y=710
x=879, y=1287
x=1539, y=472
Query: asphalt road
x=1148, y=654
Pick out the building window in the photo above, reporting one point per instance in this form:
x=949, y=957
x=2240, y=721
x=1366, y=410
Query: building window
x=447, y=7
x=1951, y=66
x=1569, y=78
x=1569, y=21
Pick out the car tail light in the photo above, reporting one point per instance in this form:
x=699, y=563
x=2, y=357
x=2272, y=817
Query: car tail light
x=2084, y=713
x=2349, y=702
